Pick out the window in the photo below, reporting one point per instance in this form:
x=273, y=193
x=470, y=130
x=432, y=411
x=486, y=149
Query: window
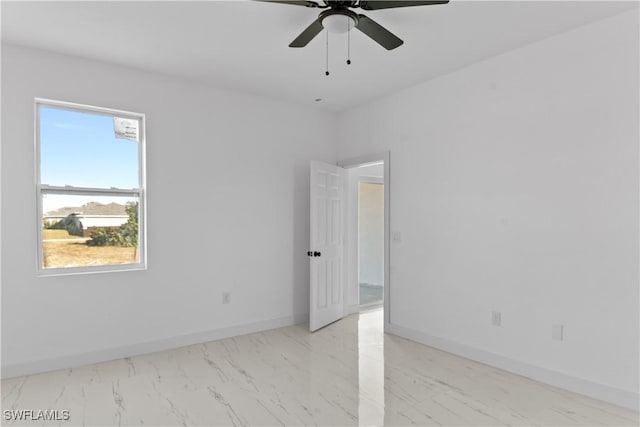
x=90, y=188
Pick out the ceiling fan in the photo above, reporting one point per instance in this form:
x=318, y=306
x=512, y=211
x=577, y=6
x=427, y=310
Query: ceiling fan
x=338, y=17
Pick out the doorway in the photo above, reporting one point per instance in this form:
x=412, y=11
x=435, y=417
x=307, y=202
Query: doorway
x=371, y=237
x=374, y=272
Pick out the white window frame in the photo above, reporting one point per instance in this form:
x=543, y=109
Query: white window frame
x=140, y=192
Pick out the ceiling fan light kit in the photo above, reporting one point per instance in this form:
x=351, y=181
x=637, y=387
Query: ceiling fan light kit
x=339, y=18
x=338, y=21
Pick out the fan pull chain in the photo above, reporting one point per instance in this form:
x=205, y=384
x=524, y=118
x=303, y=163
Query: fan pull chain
x=326, y=73
x=348, y=41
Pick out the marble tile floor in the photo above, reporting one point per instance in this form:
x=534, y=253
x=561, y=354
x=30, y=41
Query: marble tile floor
x=346, y=374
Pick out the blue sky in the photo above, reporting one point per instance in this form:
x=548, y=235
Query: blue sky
x=81, y=150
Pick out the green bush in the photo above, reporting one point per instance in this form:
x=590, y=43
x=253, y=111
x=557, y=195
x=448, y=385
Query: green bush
x=129, y=230
x=126, y=235
x=71, y=223
x=104, y=237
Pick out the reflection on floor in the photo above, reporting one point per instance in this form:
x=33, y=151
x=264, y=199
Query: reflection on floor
x=371, y=294
x=346, y=374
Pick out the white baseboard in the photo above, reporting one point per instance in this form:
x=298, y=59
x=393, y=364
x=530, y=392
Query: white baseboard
x=624, y=398
x=75, y=360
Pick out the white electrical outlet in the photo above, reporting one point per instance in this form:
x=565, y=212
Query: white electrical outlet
x=226, y=297
x=496, y=318
x=396, y=236
x=557, y=332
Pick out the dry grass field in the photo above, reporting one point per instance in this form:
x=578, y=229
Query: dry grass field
x=56, y=234
x=61, y=250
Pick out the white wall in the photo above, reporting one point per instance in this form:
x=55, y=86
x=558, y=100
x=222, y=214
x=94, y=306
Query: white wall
x=228, y=156
x=515, y=187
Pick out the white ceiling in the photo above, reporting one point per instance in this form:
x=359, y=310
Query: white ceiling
x=243, y=45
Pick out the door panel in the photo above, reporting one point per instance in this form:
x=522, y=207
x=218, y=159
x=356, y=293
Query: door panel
x=327, y=195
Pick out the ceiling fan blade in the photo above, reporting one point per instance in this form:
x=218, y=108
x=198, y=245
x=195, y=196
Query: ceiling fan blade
x=308, y=34
x=378, y=33
x=389, y=4
x=306, y=3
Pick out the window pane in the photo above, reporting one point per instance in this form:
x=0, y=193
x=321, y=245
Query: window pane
x=80, y=149
x=81, y=231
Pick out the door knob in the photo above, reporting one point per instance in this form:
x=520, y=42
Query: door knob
x=316, y=253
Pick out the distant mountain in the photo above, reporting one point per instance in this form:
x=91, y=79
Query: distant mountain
x=91, y=208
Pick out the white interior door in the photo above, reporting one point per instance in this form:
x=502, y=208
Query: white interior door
x=326, y=250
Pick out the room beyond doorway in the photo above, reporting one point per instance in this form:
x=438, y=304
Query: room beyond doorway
x=372, y=168
x=370, y=241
